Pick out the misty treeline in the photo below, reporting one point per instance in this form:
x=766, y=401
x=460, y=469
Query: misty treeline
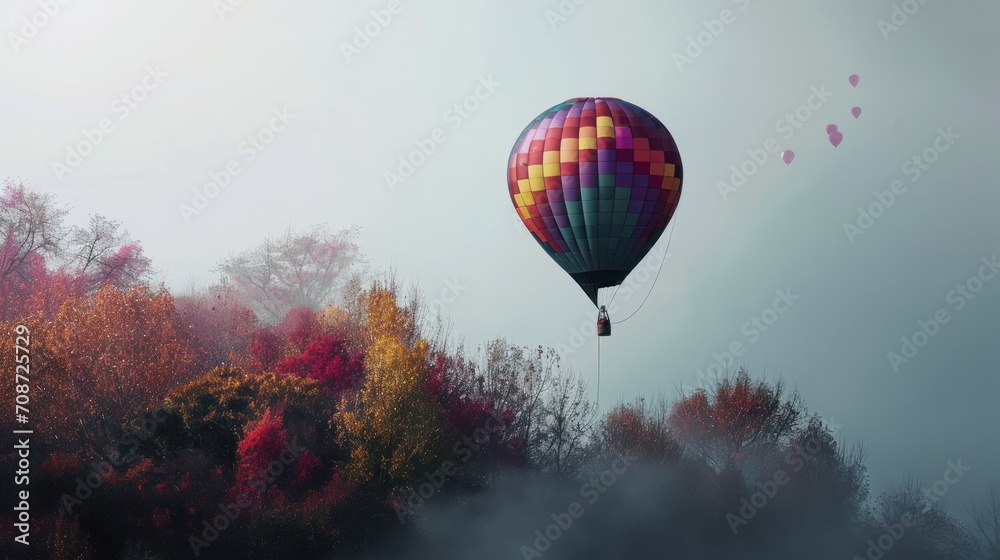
x=304, y=408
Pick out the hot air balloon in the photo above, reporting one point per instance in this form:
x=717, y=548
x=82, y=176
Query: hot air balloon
x=595, y=180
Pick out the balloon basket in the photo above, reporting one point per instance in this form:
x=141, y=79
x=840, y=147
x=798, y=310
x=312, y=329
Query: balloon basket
x=603, y=323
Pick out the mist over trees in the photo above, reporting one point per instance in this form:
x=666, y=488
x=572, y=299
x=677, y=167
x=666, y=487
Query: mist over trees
x=293, y=270
x=258, y=419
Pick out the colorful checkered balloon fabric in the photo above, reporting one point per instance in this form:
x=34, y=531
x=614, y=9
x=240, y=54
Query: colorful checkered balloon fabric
x=595, y=180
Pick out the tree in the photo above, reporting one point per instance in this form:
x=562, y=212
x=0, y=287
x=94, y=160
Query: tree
x=31, y=231
x=42, y=262
x=392, y=425
x=293, y=270
x=215, y=409
x=327, y=360
x=640, y=430
x=516, y=379
x=932, y=534
x=560, y=444
x=220, y=326
x=102, y=253
x=735, y=416
x=114, y=353
x=985, y=517
x=31, y=224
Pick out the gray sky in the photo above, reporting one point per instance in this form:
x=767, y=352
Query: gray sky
x=217, y=76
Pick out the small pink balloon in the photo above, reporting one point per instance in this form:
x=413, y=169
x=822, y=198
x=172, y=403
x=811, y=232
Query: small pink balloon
x=831, y=128
x=854, y=79
x=856, y=112
x=836, y=138
x=787, y=156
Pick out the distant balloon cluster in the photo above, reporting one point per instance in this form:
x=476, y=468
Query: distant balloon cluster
x=834, y=135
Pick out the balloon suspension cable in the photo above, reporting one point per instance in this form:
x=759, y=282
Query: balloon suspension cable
x=670, y=236
x=597, y=401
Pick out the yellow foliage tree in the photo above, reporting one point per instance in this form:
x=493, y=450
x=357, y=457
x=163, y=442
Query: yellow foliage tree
x=392, y=425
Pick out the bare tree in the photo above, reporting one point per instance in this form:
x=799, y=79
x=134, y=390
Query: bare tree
x=985, y=516
x=516, y=379
x=293, y=270
x=562, y=435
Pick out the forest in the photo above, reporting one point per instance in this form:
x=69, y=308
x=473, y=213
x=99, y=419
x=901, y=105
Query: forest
x=307, y=406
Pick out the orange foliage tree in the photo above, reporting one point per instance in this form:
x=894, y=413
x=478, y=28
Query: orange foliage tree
x=110, y=355
x=734, y=416
x=640, y=430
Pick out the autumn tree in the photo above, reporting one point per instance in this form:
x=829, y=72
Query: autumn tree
x=113, y=353
x=392, y=425
x=214, y=410
x=293, y=270
x=31, y=232
x=103, y=253
x=327, y=360
x=42, y=262
x=639, y=429
x=31, y=224
x=263, y=443
x=733, y=417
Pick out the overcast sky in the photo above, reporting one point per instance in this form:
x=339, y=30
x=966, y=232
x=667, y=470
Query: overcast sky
x=199, y=78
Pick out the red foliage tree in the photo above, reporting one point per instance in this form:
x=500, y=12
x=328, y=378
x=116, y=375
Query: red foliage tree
x=265, y=445
x=632, y=429
x=733, y=416
x=298, y=327
x=327, y=360
x=262, y=444
x=265, y=351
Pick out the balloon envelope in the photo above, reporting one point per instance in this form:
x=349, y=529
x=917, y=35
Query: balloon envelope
x=836, y=138
x=787, y=156
x=856, y=112
x=595, y=180
x=831, y=128
x=854, y=79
